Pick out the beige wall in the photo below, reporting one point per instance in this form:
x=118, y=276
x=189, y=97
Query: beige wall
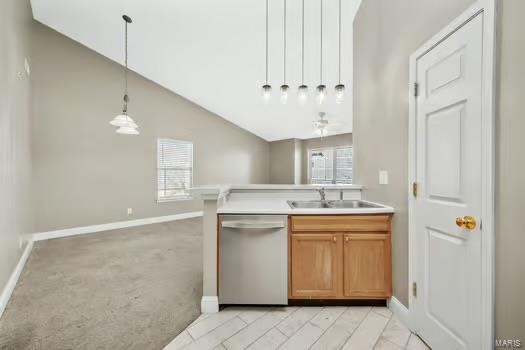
x=298, y=161
x=510, y=190
x=386, y=32
x=282, y=161
x=16, y=217
x=329, y=141
x=85, y=174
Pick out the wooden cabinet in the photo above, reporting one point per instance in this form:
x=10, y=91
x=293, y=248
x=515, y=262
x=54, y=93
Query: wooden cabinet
x=316, y=263
x=340, y=257
x=366, y=265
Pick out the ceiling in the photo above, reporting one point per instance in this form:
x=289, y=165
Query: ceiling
x=213, y=53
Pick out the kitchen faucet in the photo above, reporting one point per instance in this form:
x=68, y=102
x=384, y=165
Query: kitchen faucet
x=322, y=193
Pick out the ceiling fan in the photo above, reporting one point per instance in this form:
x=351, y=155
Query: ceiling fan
x=321, y=124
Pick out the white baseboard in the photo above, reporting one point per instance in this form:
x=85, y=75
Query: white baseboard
x=111, y=226
x=13, y=279
x=209, y=304
x=401, y=311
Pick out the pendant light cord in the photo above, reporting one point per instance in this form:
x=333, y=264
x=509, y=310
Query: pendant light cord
x=125, y=66
x=267, y=42
x=339, y=41
x=284, y=56
x=321, y=60
x=302, y=49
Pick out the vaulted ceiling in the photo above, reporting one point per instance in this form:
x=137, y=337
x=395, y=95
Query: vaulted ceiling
x=213, y=53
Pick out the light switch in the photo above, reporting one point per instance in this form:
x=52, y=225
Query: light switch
x=383, y=177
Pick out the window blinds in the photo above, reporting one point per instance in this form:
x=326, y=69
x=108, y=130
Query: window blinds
x=174, y=169
x=331, y=165
x=343, y=165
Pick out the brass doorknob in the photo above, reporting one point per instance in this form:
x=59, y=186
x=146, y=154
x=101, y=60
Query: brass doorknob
x=467, y=222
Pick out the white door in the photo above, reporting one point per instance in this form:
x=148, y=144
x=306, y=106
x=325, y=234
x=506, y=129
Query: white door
x=448, y=174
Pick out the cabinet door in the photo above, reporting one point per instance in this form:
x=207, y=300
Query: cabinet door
x=316, y=265
x=367, y=267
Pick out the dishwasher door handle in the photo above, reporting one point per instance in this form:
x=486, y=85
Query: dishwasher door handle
x=253, y=224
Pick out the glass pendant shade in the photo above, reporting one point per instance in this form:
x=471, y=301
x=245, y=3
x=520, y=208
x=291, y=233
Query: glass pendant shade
x=266, y=92
x=321, y=94
x=339, y=93
x=284, y=93
x=123, y=120
x=303, y=94
x=127, y=130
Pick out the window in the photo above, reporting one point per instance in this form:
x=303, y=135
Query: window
x=331, y=165
x=174, y=169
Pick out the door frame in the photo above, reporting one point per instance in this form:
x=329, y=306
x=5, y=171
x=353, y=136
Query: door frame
x=488, y=9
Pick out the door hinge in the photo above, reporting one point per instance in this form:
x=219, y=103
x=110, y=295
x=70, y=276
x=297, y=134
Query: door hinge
x=414, y=189
x=416, y=89
x=414, y=289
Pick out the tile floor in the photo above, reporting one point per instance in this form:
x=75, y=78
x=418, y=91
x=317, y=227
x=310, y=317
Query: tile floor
x=298, y=328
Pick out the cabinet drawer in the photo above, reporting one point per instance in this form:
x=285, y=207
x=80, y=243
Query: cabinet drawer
x=354, y=223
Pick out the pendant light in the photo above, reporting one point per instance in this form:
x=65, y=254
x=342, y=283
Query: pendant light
x=321, y=89
x=125, y=123
x=266, y=88
x=284, y=88
x=303, y=89
x=339, y=88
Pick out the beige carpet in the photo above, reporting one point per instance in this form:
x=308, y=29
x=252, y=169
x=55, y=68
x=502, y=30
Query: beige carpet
x=134, y=288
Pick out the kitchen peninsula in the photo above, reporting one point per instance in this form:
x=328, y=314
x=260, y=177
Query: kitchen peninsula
x=272, y=244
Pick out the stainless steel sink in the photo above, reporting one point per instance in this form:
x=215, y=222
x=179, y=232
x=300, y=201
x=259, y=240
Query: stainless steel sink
x=330, y=204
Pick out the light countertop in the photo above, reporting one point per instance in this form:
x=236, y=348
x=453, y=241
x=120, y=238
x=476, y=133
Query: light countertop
x=219, y=189
x=272, y=199
x=280, y=206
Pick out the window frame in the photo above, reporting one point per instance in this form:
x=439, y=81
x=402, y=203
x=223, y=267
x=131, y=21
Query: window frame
x=333, y=149
x=166, y=199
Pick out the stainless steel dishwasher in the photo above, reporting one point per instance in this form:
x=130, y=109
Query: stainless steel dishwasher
x=253, y=259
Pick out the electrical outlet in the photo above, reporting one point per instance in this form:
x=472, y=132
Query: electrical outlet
x=383, y=177
x=130, y=211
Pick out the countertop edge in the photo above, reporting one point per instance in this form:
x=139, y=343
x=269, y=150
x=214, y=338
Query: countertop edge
x=216, y=191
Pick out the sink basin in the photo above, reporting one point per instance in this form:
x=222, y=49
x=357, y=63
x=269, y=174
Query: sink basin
x=331, y=204
x=308, y=204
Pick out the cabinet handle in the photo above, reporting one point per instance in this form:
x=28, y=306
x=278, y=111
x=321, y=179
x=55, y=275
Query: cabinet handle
x=346, y=239
x=335, y=238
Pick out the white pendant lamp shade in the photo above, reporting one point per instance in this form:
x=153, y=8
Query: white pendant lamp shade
x=126, y=125
x=123, y=120
x=339, y=93
x=303, y=94
x=266, y=93
x=127, y=130
x=284, y=93
x=321, y=94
